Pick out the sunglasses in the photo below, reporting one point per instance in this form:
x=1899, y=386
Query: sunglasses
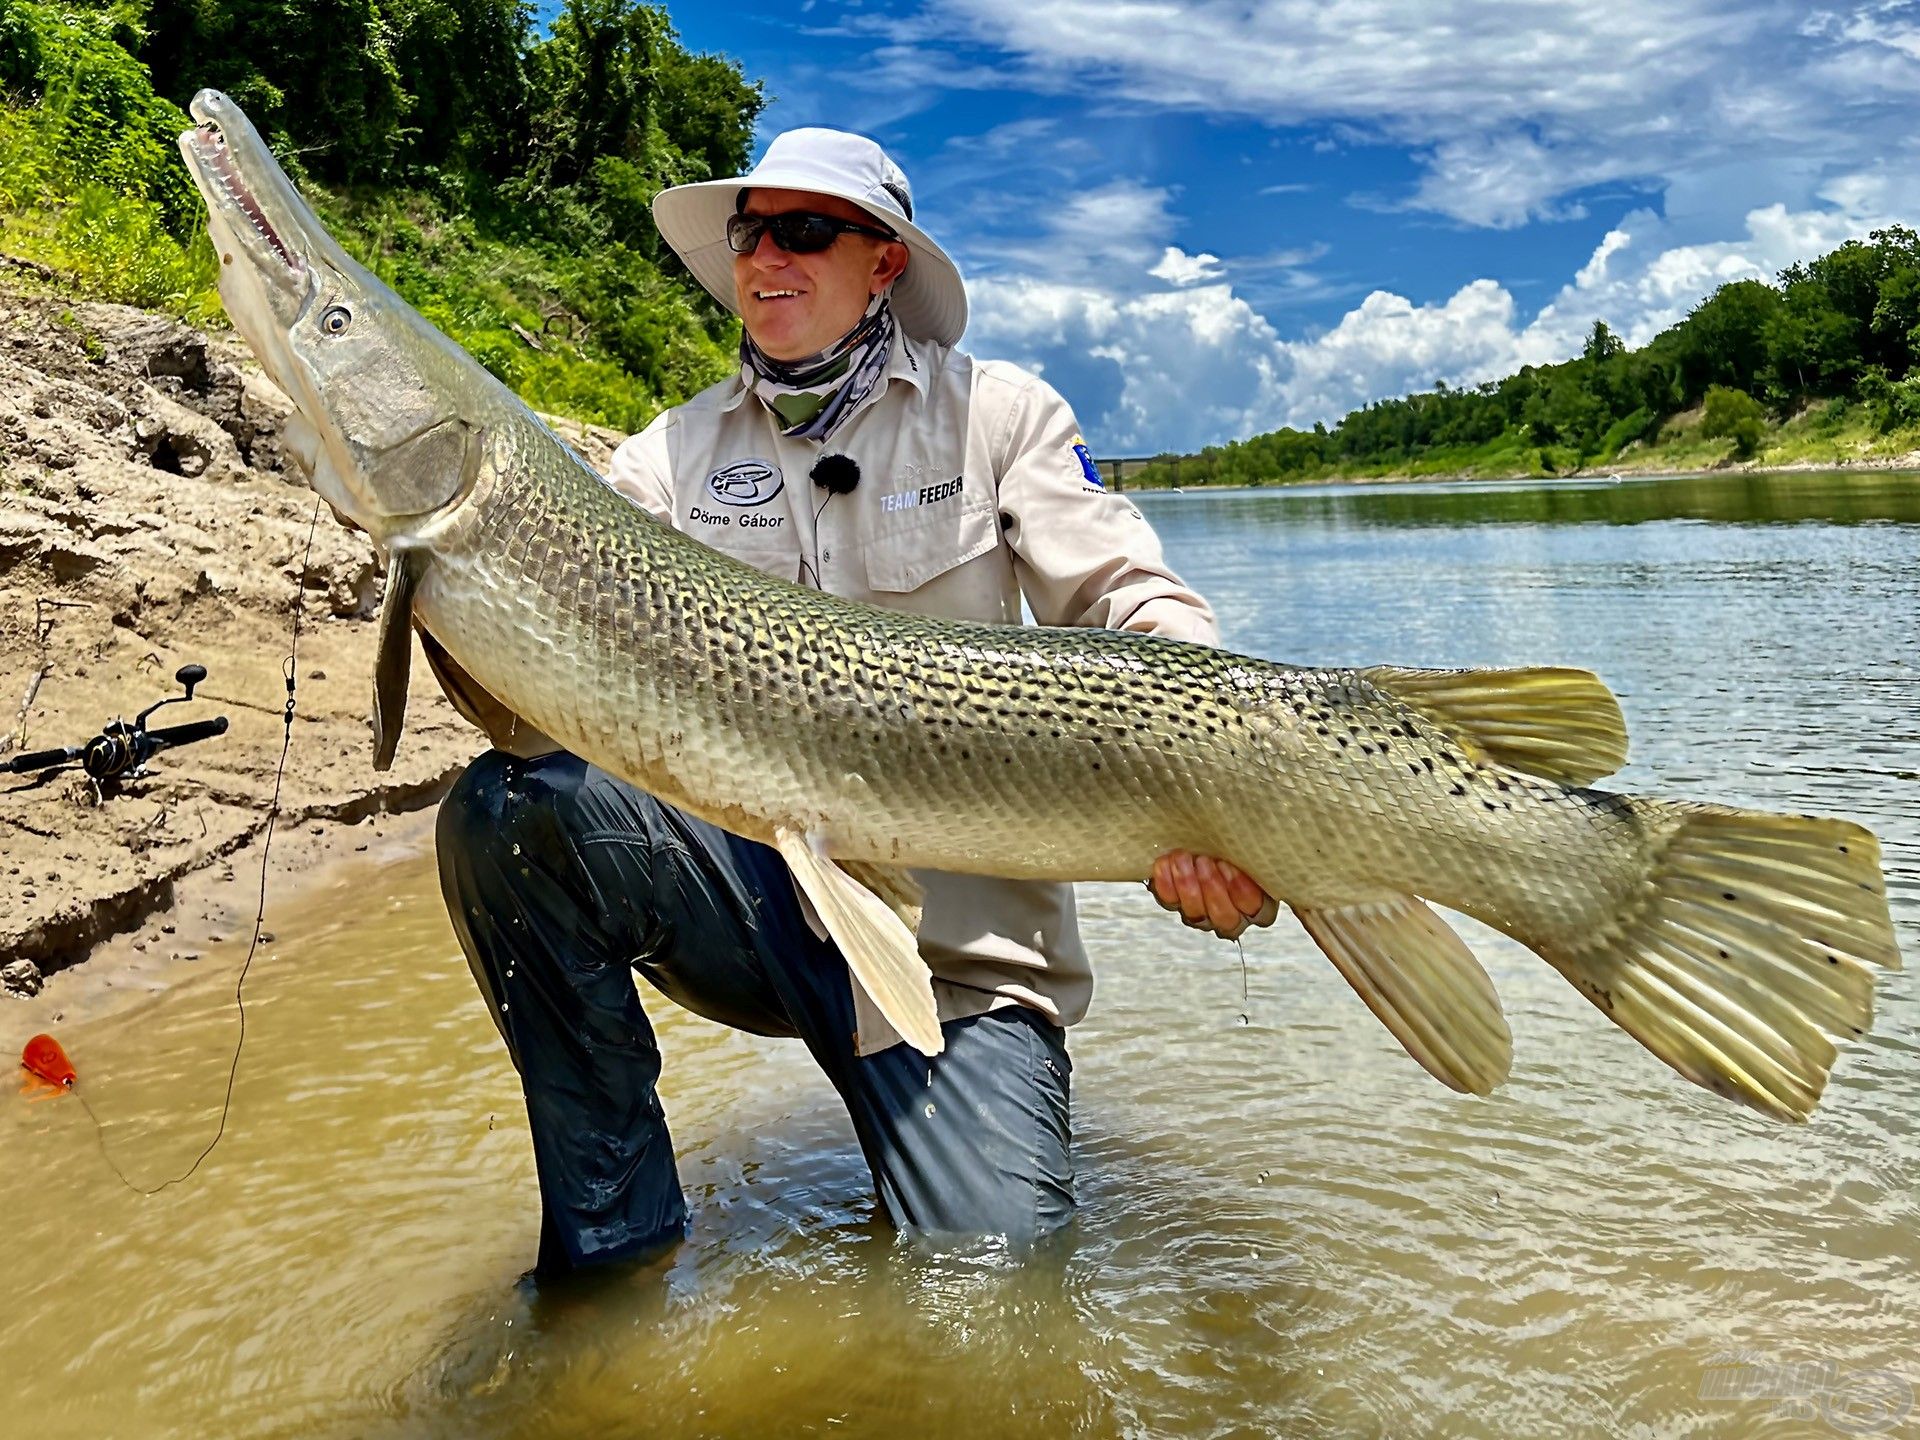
x=798, y=232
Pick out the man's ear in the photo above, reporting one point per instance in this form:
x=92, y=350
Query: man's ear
x=888, y=266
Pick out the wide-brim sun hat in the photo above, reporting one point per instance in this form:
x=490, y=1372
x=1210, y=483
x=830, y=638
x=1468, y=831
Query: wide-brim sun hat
x=929, y=300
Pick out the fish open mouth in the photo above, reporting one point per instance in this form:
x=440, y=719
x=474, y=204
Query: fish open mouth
x=210, y=145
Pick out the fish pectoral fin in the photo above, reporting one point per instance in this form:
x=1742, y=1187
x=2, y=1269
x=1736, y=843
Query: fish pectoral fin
x=879, y=948
x=895, y=886
x=1418, y=976
x=1555, y=722
x=393, y=658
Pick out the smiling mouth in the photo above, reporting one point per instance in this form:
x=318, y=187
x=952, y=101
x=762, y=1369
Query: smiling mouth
x=776, y=294
x=211, y=146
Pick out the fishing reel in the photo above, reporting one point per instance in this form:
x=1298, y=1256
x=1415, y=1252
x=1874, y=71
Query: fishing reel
x=120, y=749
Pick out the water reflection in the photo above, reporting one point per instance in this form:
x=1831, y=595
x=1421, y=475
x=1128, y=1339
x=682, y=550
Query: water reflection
x=1825, y=497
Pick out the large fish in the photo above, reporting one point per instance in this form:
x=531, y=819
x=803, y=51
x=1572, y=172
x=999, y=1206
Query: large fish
x=859, y=740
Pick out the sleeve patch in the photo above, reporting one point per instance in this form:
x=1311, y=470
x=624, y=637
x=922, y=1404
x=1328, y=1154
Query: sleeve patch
x=1088, y=469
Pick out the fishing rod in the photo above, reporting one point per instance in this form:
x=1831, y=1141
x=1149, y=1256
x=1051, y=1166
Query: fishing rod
x=43, y=1055
x=121, y=750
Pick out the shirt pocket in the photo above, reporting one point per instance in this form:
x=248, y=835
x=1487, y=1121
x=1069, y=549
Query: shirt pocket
x=908, y=549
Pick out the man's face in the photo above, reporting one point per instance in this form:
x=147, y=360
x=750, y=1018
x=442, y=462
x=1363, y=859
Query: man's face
x=797, y=305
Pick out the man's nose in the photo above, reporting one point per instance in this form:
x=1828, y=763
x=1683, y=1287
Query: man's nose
x=766, y=254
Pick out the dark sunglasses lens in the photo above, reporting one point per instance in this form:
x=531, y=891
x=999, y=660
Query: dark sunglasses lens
x=798, y=234
x=802, y=234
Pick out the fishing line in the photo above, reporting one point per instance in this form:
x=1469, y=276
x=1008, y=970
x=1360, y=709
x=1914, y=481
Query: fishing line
x=289, y=671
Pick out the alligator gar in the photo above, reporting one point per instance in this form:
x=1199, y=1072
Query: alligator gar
x=860, y=741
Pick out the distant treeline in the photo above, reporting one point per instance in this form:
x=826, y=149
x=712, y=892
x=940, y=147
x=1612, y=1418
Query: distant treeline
x=1844, y=327
x=499, y=178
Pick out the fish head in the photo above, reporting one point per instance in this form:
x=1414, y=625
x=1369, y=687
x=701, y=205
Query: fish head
x=381, y=397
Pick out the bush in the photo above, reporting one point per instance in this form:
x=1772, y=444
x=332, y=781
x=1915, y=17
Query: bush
x=1735, y=415
x=1622, y=433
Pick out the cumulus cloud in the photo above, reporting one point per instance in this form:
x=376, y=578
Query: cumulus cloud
x=1733, y=138
x=1509, y=106
x=1184, y=367
x=1176, y=267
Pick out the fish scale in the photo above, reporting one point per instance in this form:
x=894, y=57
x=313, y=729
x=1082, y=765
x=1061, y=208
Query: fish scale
x=862, y=742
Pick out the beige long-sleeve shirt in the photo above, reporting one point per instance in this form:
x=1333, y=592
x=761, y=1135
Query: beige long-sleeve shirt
x=975, y=489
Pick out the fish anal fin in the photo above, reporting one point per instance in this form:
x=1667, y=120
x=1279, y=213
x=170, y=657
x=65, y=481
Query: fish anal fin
x=1422, y=981
x=1555, y=722
x=879, y=948
x=393, y=656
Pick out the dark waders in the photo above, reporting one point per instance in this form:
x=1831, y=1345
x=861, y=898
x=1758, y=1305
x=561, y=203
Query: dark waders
x=562, y=880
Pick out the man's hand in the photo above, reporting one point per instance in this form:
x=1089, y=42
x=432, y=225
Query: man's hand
x=1210, y=894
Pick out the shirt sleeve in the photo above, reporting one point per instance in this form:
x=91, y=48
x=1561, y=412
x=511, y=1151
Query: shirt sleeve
x=1083, y=556
x=640, y=470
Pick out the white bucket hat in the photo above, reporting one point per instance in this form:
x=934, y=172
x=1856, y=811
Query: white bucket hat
x=929, y=300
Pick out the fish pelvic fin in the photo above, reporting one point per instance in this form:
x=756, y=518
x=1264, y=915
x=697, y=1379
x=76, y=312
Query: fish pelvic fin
x=1555, y=722
x=1422, y=981
x=873, y=937
x=1750, y=942
x=895, y=886
x=393, y=657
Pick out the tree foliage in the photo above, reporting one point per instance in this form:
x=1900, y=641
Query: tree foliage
x=500, y=179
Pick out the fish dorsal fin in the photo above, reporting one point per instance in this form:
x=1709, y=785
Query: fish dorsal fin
x=1555, y=722
x=879, y=948
x=394, y=656
x=1418, y=976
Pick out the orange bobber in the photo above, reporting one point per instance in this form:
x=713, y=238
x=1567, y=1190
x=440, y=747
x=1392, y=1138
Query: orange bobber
x=44, y=1057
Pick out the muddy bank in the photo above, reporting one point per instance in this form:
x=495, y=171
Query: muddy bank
x=148, y=521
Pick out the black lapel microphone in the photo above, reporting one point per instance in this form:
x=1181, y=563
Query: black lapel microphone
x=836, y=474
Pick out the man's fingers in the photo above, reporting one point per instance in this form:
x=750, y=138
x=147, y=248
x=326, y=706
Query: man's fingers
x=1192, y=889
x=1210, y=893
x=1247, y=895
x=1217, y=896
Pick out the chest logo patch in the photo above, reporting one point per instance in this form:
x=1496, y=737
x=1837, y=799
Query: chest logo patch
x=745, y=482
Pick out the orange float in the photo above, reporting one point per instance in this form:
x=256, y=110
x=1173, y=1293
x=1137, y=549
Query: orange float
x=44, y=1057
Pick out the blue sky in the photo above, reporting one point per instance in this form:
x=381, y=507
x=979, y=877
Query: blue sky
x=1202, y=221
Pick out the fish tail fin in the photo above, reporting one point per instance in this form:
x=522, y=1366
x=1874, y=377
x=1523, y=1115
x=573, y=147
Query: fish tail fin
x=1423, y=983
x=1748, y=943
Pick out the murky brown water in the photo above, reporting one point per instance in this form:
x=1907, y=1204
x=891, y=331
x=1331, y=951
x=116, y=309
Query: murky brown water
x=1287, y=1227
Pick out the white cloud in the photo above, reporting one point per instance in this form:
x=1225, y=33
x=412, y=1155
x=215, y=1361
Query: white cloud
x=1176, y=267
x=1153, y=369
x=1509, y=106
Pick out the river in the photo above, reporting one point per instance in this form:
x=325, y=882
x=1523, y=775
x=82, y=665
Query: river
x=1287, y=1227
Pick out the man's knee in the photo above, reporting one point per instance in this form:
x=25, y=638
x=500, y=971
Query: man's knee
x=977, y=1141
x=501, y=801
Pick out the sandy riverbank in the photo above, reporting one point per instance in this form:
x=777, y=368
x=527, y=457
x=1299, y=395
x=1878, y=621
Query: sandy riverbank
x=148, y=521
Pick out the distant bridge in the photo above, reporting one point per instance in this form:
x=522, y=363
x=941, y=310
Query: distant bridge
x=1113, y=470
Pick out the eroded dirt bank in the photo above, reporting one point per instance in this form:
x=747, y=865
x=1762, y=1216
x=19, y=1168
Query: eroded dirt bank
x=148, y=521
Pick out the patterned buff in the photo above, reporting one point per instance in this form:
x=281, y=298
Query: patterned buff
x=812, y=396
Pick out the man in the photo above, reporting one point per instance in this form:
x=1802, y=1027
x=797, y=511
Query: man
x=859, y=452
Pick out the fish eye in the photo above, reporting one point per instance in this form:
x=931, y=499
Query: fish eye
x=335, y=319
